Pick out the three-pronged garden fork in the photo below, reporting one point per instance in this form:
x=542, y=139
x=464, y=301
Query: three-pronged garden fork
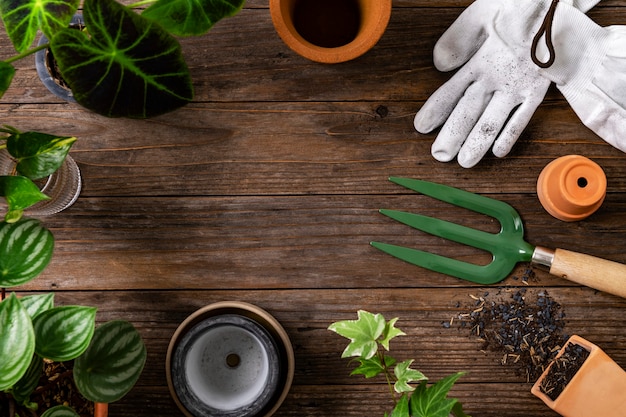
x=508, y=247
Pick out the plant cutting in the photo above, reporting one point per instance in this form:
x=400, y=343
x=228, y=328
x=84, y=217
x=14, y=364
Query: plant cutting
x=123, y=63
x=369, y=338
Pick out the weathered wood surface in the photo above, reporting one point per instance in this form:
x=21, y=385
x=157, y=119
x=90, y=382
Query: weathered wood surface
x=266, y=189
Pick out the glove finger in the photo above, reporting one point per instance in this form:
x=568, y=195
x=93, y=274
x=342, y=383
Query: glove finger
x=486, y=130
x=440, y=104
x=516, y=125
x=460, y=123
x=465, y=36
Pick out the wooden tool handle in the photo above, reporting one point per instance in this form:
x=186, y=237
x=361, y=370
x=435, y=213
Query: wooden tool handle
x=603, y=275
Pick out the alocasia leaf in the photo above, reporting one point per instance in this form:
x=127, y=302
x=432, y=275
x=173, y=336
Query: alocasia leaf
x=191, y=17
x=373, y=366
x=17, y=342
x=38, y=154
x=23, y=18
x=405, y=375
x=363, y=334
x=432, y=401
x=7, y=72
x=127, y=65
x=25, y=250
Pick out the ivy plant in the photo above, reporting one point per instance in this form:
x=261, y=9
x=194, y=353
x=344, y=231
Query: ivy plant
x=370, y=336
x=124, y=63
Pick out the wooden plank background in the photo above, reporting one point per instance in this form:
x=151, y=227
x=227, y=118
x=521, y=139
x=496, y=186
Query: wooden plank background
x=266, y=189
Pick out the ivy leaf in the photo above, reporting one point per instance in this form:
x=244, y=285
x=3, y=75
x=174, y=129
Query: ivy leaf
x=191, y=17
x=405, y=375
x=373, y=366
x=457, y=410
x=38, y=154
x=17, y=342
x=23, y=18
x=432, y=401
x=402, y=408
x=390, y=332
x=127, y=66
x=20, y=193
x=7, y=72
x=363, y=334
x=25, y=250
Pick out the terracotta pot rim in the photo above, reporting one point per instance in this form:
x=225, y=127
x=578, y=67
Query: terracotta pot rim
x=366, y=39
x=251, y=311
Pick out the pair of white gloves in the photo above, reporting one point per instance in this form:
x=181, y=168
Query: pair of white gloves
x=490, y=100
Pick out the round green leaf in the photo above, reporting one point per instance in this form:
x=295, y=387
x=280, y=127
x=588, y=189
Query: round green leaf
x=191, y=17
x=112, y=364
x=17, y=342
x=127, y=66
x=60, y=411
x=25, y=250
x=63, y=333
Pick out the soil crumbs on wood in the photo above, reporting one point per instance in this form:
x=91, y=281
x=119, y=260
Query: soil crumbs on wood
x=563, y=370
x=526, y=331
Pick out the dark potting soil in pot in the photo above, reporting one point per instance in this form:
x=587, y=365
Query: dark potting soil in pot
x=525, y=328
x=563, y=370
x=56, y=387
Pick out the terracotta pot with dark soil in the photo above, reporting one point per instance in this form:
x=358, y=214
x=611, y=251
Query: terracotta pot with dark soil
x=583, y=381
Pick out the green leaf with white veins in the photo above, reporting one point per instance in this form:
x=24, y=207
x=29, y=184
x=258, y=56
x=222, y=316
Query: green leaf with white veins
x=191, y=17
x=363, y=334
x=127, y=66
x=23, y=18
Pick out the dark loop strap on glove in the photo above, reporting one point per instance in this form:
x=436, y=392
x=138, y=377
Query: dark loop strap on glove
x=546, y=28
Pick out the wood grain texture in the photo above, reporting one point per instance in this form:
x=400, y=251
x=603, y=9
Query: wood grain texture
x=266, y=189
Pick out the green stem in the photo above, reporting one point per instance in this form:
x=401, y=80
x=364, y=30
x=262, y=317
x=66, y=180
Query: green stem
x=141, y=3
x=27, y=53
x=388, y=377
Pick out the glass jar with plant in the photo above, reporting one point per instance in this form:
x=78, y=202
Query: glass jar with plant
x=369, y=341
x=122, y=63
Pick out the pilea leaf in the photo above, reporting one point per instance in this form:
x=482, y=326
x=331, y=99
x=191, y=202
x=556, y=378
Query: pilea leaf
x=23, y=18
x=191, y=17
x=38, y=154
x=112, y=363
x=17, y=342
x=63, y=333
x=127, y=66
x=25, y=250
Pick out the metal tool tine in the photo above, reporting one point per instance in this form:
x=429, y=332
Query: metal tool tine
x=504, y=213
x=476, y=273
x=445, y=229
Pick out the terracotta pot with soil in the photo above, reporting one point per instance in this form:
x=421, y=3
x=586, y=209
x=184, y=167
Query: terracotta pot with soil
x=583, y=381
x=330, y=31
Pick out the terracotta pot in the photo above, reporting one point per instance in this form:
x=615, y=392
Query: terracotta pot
x=597, y=389
x=571, y=188
x=330, y=31
x=229, y=359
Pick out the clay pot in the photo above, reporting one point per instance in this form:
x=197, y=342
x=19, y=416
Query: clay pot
x=571, y=188
x=330, y=31
x=597, y=389
x=229, y=359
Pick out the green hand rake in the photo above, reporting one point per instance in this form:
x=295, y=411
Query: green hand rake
x=508, y=247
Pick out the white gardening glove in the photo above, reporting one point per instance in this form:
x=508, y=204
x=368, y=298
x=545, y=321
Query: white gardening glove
x=590, y=70
x=491, y=99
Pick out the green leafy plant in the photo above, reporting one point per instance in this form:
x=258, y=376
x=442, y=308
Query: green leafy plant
x=123, y=63
x=370, y=336
x=108, y=359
